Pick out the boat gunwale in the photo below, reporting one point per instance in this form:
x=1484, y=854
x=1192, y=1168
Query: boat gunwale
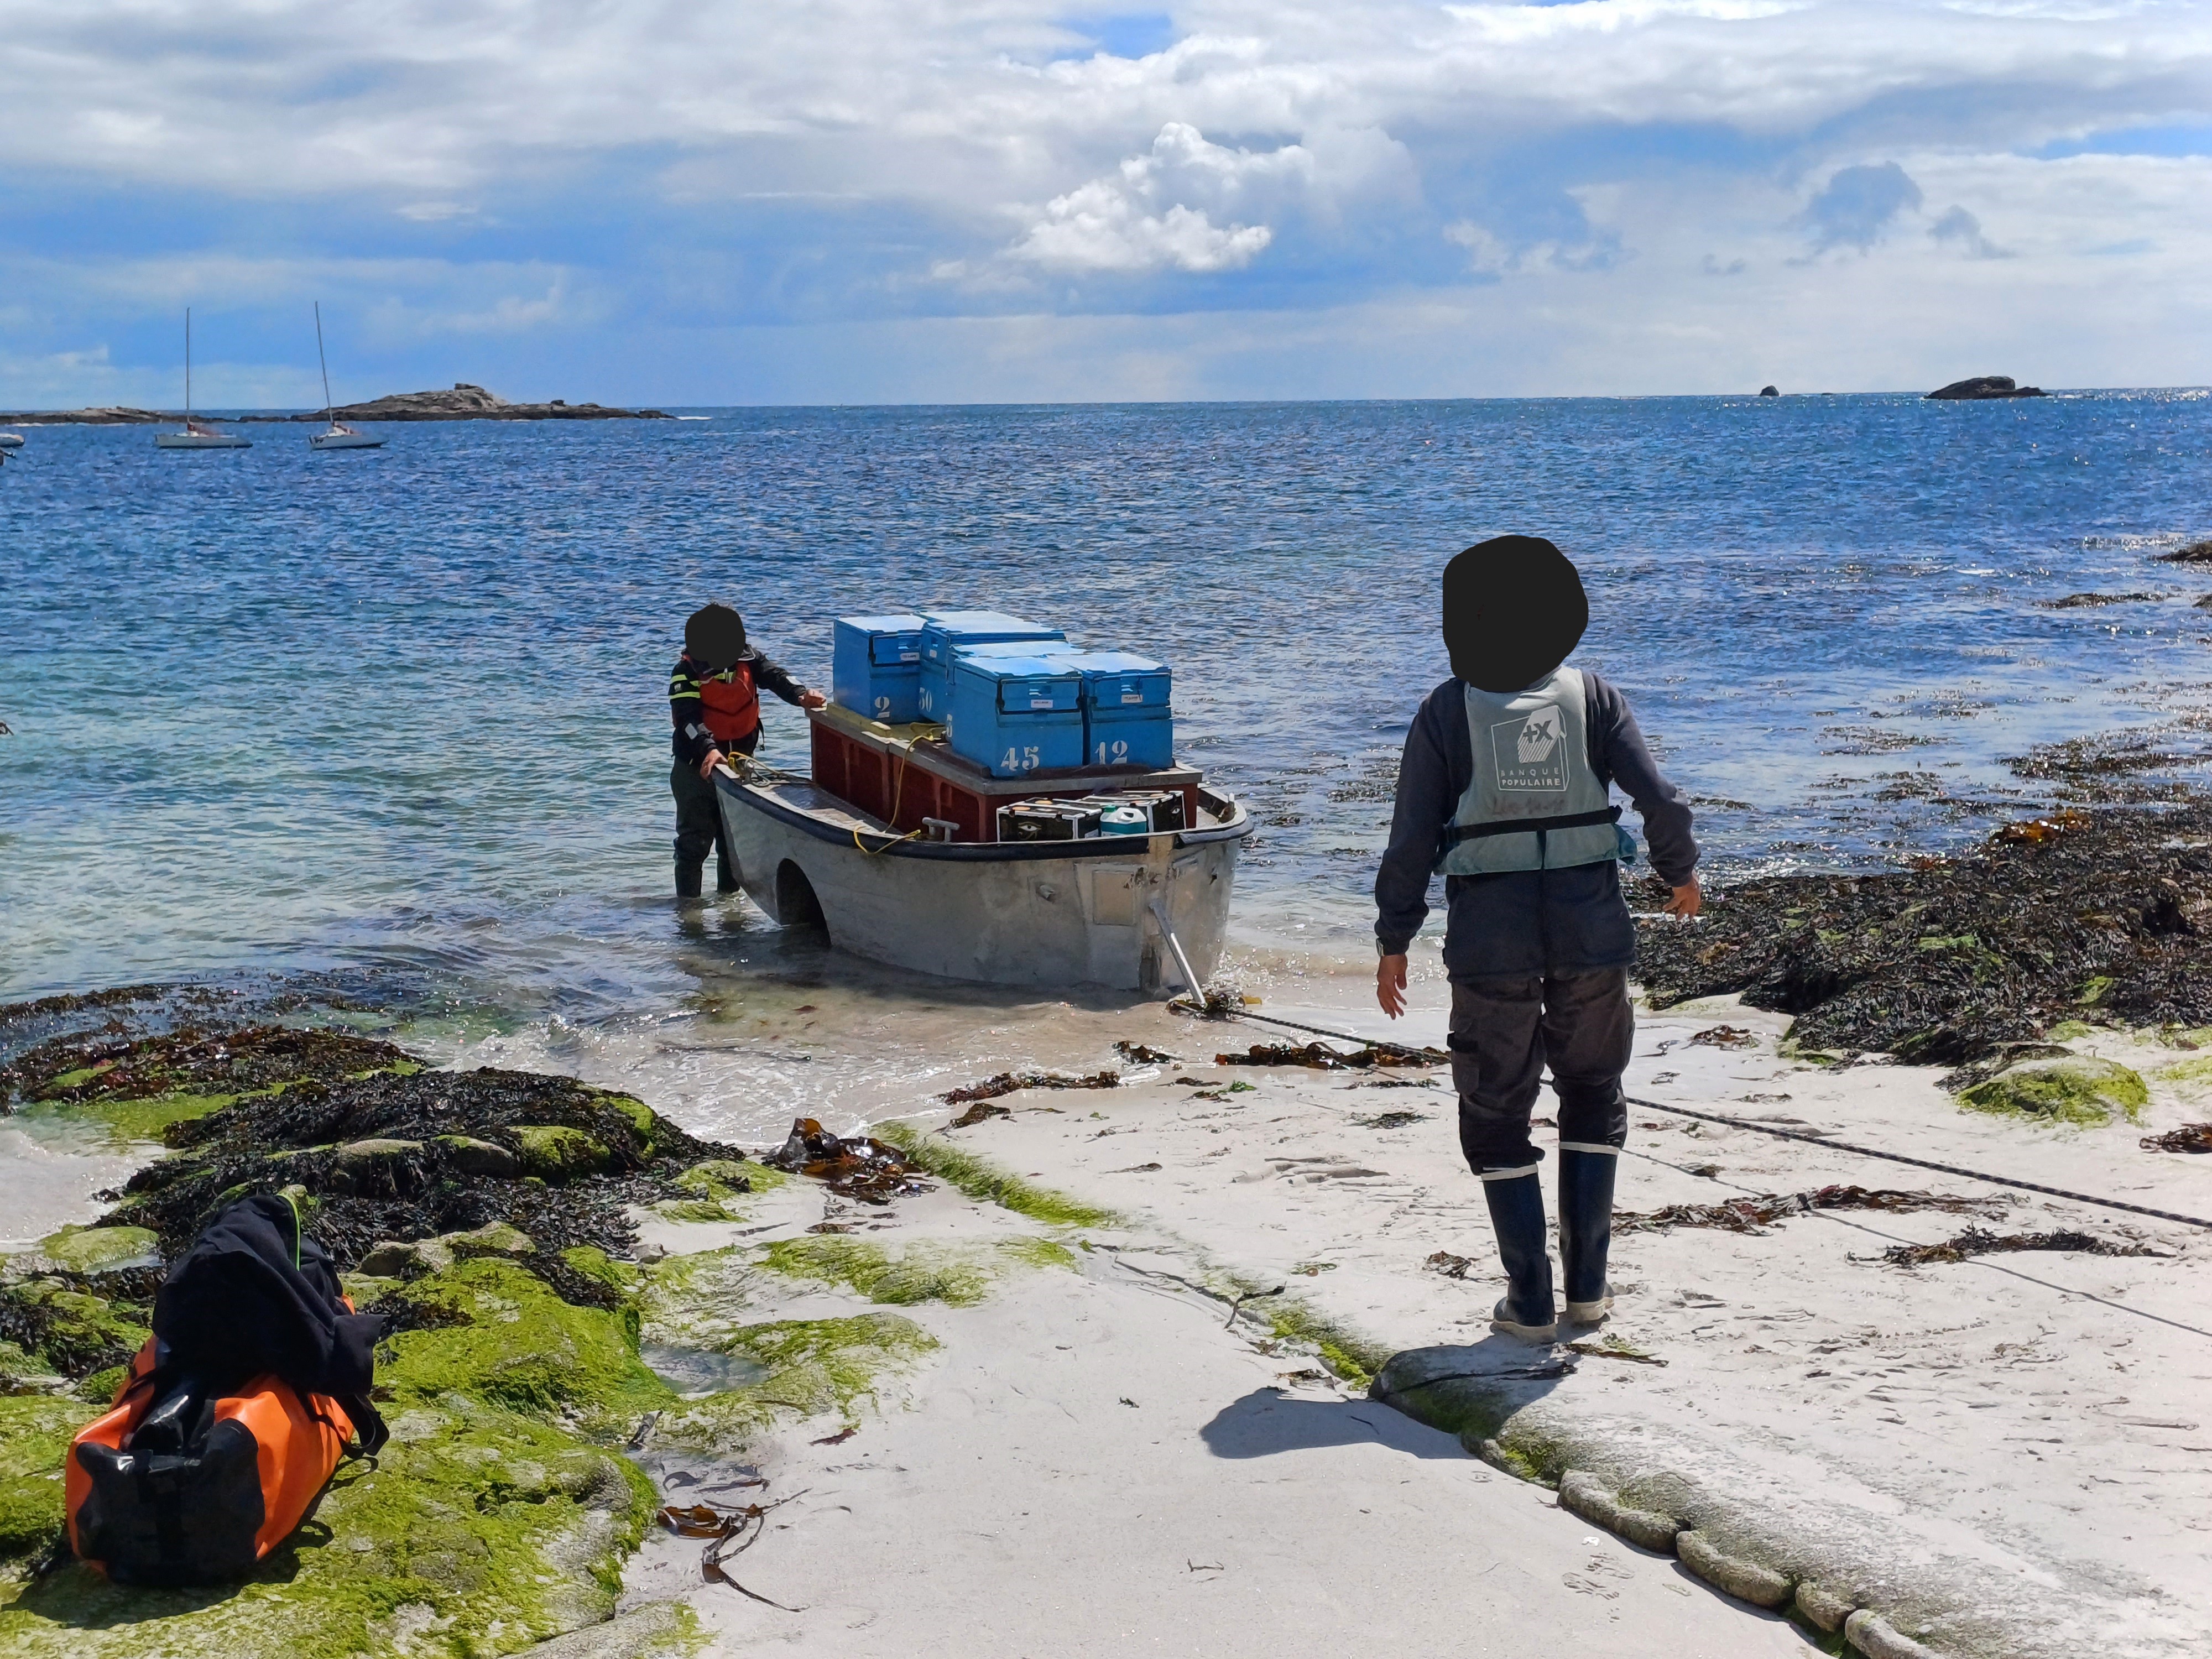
x=755, y=796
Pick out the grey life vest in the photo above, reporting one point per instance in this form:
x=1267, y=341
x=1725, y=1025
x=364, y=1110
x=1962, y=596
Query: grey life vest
x=1536, y=803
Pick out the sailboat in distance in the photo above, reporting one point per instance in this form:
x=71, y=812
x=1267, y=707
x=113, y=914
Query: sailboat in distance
x=338, y=435
x=195, y=436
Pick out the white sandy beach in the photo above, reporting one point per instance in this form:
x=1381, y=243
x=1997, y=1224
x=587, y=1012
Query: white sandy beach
x=2008, y=1455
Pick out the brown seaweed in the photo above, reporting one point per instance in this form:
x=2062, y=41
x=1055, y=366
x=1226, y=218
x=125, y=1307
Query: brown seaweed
x=2102, y=914
x=858, y=1167
x=2188, y=1137
x=1007, y=1083
x=1753, y=1215
x=1977, y=1241
x=1319, y=1058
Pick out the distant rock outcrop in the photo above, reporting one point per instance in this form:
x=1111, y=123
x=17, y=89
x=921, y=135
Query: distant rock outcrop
x=1769, y=391
x=1987, y=385
x=2195, y=553
x=472, y=403
x=463, y=403
x=89, y=417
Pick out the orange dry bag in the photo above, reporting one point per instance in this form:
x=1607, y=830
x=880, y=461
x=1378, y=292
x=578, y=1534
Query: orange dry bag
x=219, y=1445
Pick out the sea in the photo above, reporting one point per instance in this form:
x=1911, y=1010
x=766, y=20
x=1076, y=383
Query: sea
x=393, y=723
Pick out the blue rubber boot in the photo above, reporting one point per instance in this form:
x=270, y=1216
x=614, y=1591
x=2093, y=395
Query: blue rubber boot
x=1517, y=1214
x=1585, y=1232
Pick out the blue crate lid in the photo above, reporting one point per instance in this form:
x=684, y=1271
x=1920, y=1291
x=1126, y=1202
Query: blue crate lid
x=1097, y=663
x=1116, y=679
x=891, y=640
x=1056, y=649
x=986, y=625
x=1023, y=685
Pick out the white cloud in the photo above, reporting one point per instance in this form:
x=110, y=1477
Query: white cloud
x=1360, y=150
x=1139, y=216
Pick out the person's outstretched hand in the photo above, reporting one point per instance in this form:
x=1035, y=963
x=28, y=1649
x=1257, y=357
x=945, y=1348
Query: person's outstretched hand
x=1688, y=899
x=1390, y=985
x=812, y=700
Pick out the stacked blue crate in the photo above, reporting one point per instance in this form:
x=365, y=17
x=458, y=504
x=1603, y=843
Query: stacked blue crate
x=946, y=633
x=1128, y=715
x=1012, y=715
x=875, y=667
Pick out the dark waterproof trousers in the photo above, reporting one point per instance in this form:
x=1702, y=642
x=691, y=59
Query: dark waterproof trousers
x=1506, y=1028
x=699, y=826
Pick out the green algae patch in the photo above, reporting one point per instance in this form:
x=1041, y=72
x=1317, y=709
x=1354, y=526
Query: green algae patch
x=2187, y=1072
x=980, y=1179
x=73, y=1332
x=2081, y=1089
x=125, y=1121
x=555, y=1152
x=814, y=1367
x=1350, y=1357
x=492, y=1331
x=959, y=1275
x=715, y=1189
x=100, y=1249
x=35, y=1431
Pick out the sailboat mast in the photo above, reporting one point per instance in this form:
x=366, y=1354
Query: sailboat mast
x=188, y=369
x=323, y=360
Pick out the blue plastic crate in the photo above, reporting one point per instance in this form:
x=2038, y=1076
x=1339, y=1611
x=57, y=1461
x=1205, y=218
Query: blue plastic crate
x=946, y=634
x=1126, y=712
x=1013, y=715
x=875, y=667
x=943, y=632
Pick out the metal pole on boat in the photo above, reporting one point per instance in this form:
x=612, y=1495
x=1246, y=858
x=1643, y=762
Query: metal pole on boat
x=323, y=360
x=1182, y=963
x=188, y=369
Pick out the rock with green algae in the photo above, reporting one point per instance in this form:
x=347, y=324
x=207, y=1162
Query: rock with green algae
x=713, y=1186
x=102, y=1250
x=493, y=1238
x=2080, y=1088
x=73, y=1332
x=555, y=1152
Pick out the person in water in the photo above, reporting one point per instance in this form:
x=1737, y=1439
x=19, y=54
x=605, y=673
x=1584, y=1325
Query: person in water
x=714, y=699
x=1504, y=789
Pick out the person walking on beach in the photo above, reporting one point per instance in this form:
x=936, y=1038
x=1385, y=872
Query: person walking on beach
x=714, y=699
x=1504, y=790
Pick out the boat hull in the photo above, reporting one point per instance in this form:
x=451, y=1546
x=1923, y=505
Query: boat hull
x=200, y=440
x=1039, y=913
x=344, y=441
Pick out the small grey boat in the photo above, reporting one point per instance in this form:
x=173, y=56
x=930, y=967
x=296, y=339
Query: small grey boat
x=1144, y=912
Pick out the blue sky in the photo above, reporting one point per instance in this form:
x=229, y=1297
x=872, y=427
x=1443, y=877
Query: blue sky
x=801, y=201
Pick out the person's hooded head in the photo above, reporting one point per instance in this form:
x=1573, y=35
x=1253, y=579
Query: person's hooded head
x=1513, y=608
x=715, y=637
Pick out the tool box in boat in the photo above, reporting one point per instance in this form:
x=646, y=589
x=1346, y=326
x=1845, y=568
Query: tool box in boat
x=944, y=633
x=1127, y=719
x=1015, y=715
x=1049, y=820
x=875, y=667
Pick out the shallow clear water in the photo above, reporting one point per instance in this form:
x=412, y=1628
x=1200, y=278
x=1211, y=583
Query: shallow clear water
x=403, y=709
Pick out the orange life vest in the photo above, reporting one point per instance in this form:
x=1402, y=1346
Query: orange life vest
x=731, y=703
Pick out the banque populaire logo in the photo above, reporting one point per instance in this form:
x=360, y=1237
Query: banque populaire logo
x=1530, y=755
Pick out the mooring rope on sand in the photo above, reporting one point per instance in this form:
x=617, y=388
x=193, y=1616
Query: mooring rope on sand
x=1761, y=1129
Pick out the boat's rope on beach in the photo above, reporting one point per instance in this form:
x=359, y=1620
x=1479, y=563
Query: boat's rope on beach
x=1792, y=1134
